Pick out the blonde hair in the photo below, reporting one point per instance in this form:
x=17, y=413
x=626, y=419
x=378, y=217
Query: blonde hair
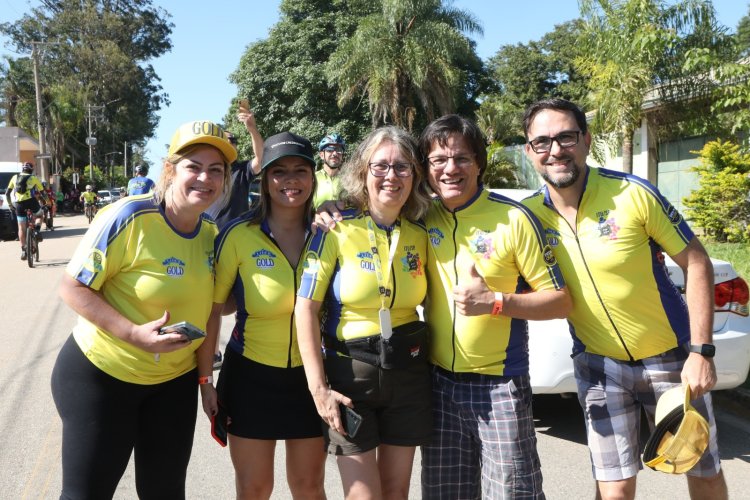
x=168, y=170
x=354, y=172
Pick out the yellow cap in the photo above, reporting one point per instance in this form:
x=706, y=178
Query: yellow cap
x=202, y=132
x=680, y=436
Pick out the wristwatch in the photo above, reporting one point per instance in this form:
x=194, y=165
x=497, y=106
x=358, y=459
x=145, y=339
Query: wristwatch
x=705, y=350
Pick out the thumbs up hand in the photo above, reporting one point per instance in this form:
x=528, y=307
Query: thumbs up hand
x=473, y=298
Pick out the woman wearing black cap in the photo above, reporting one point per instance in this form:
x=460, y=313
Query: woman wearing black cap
x=262, y=385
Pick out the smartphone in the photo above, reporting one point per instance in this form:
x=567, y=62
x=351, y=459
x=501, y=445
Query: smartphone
x=219, y=426
x=244, y=105
x=351, y=419
x=188, y=329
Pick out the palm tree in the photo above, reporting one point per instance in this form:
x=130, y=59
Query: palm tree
x=628, y=44
x=407, y=59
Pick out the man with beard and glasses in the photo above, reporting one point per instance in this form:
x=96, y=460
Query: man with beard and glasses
x=331, y=150
x=634, y=336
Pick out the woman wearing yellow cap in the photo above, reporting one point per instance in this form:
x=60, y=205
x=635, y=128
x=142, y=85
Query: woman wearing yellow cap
x=120, y=386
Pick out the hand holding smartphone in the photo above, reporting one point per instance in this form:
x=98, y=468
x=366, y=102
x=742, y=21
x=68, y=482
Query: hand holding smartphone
x=350, y=419
x=220, y=426
x=186, y=328
x=244, y=106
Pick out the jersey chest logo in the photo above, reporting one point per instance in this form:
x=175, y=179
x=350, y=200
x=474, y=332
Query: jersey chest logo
x=264, y=259
x=411, y=263
x=481, y=243
x=365, y=262
x=174, y=267
x=606, y=227
x=436, y=236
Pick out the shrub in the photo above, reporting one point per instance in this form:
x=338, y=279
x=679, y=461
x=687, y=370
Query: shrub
x=721, y=206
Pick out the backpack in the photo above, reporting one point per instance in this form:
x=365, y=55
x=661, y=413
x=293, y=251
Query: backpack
x=21, y=181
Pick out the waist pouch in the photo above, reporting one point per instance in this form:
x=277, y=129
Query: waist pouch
x=408, y=346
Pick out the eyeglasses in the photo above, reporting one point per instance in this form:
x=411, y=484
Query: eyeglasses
x=333, y=149
x=461, y=161
x=380, y=169
x=543, y=144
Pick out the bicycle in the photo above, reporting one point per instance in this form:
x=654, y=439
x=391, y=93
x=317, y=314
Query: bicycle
x=48, y=220
x=32, y=244
x=89, y=210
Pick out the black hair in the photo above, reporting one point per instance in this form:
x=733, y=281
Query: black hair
x=441, y=129
x=557, y=104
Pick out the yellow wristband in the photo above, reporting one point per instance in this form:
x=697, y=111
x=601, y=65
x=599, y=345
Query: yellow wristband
x=497, y=307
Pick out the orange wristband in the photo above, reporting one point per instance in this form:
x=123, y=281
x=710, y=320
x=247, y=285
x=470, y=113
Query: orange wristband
x=497, y=307
x=205, y=380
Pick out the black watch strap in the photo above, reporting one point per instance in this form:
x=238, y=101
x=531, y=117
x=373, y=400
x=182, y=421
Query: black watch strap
x=705, y=350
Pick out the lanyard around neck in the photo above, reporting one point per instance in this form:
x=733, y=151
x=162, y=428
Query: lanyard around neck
x=383, y=277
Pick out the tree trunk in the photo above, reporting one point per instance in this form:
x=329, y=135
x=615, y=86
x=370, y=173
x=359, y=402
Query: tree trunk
x=627, y=151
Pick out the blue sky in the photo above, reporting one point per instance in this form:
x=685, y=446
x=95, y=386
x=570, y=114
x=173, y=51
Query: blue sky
x=210, y=37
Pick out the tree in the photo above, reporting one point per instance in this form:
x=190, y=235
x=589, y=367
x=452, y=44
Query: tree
x=526, y=73
x=721, y=205
x=98, y=54
x=408, y=58
x=743, y=34
x=283, y=76
x=633, y=46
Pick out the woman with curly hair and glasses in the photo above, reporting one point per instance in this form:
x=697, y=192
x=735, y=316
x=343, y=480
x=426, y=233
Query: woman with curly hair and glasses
x=367, y=277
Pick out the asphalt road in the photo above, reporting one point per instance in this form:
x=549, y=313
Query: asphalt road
x=36, y=323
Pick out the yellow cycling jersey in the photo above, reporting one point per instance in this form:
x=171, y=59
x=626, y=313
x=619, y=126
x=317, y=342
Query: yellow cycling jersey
x=327, y=187
x=143, y=266
x=505, y=242
x=251, y=266
x=89, y=196
x=624, y=304
x=33, y=186
x=340, y=271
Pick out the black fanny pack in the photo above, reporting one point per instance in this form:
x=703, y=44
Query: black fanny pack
x=407, y=347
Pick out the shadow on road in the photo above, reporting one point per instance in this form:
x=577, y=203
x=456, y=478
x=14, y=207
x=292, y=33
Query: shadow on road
x=559, y=417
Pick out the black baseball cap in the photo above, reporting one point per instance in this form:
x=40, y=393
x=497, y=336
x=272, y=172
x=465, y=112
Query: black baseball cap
x=286, y=144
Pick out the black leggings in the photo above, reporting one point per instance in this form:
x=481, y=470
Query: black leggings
x=105, y=419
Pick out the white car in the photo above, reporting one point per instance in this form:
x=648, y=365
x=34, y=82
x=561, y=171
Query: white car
x=550, y=343
x=105, y=197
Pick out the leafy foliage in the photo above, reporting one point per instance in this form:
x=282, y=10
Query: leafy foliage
x=721, y=206
x=284, y=77
x=501, y=172
x=635, y=46
x=411, y=60
x=95, y=52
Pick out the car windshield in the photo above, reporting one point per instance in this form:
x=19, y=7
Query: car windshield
x=104, y=194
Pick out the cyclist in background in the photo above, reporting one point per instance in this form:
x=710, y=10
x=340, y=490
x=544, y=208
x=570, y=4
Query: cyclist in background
x=26, y=188
x=140, y=184
x=89, y=197
x=51, y=203
x=331, y=151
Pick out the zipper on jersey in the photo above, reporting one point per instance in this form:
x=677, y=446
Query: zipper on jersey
x=593, y=283
x=393, y=272
x=294, y=281
x=455, y=273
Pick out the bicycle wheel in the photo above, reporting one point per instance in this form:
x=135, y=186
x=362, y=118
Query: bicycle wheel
x=36, y=249
x=30, y=246
x=89, y=213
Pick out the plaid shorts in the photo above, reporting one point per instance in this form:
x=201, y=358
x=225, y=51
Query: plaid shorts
x=483, y=444
x=612, y=393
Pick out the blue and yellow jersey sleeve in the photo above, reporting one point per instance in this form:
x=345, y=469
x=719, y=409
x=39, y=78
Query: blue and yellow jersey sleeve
x=340, y=272
x=143, y=266
x=251, y=267
x=505, y=242
x=624, y=304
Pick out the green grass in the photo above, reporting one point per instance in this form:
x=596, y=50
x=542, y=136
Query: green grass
x=739, y=256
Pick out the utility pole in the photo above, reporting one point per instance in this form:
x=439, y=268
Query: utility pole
x=125, y=162
x=39, y=110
